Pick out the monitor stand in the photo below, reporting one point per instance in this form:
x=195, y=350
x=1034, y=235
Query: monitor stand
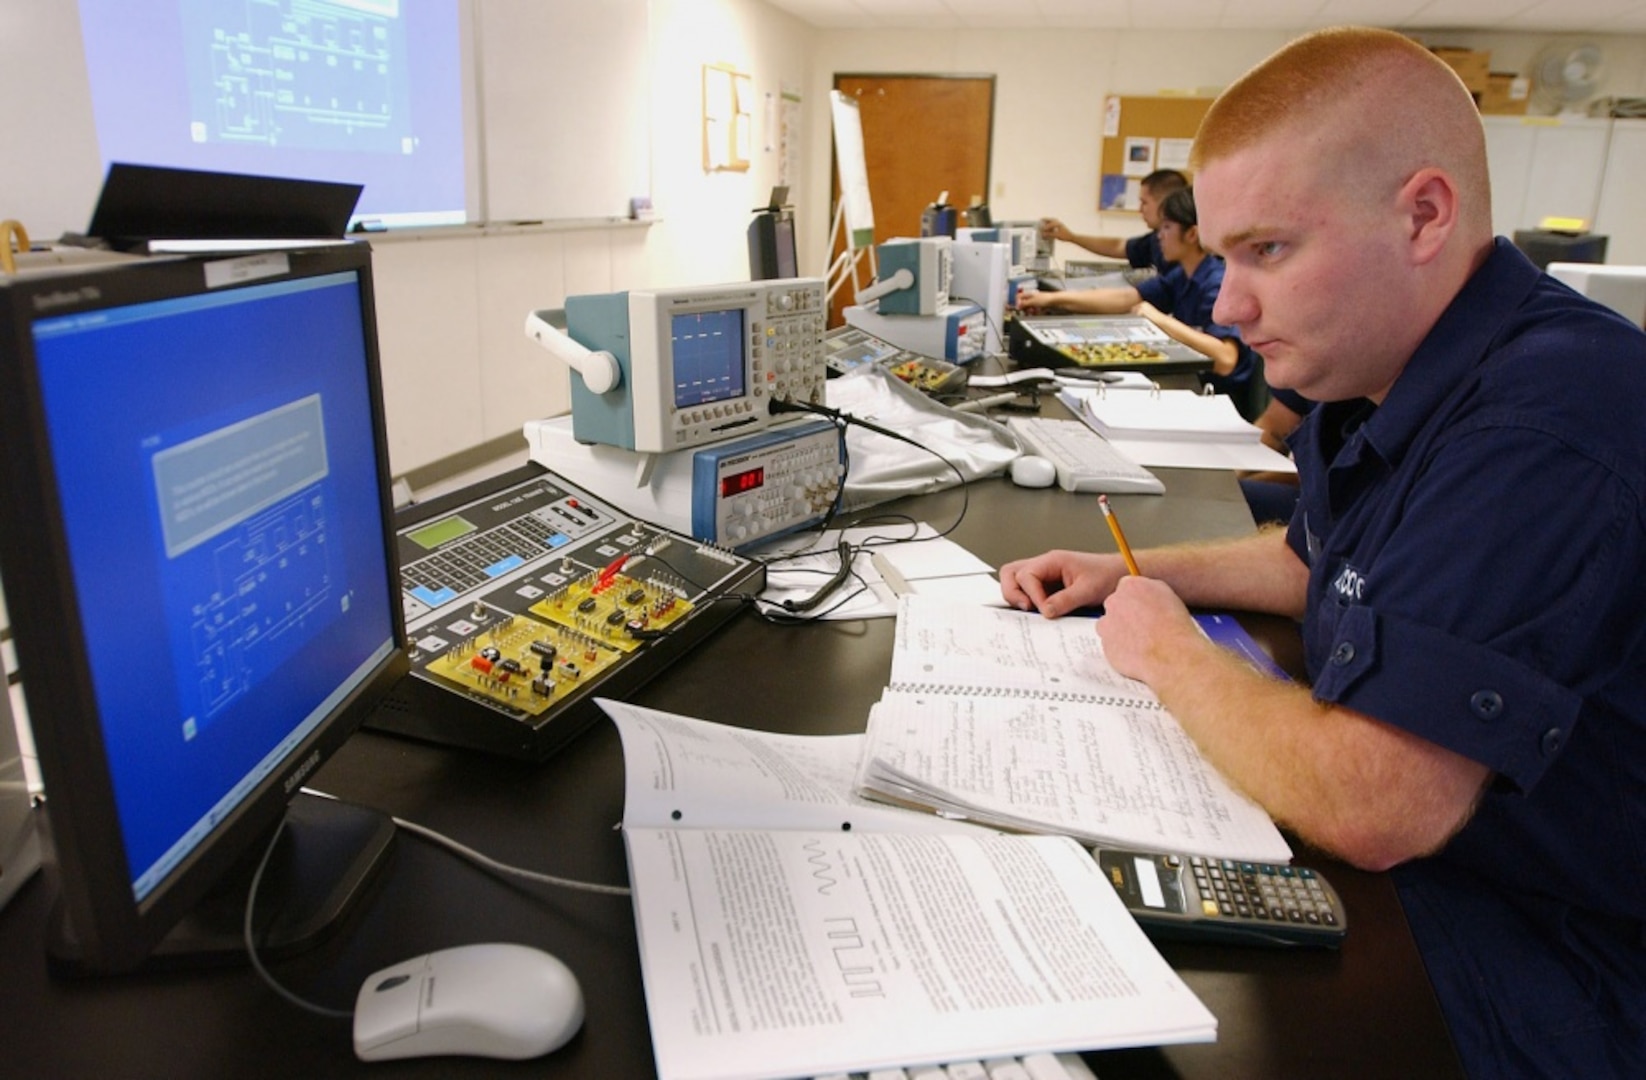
x=327, y=858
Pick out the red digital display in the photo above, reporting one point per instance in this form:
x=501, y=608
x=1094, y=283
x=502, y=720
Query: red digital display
x=738, y=483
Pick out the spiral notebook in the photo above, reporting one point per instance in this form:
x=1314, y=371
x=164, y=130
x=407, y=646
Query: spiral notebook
x=1019, y=722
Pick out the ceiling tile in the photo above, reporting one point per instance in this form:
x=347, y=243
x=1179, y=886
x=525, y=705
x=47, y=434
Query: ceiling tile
x=1394, y=13
x=1269, y=14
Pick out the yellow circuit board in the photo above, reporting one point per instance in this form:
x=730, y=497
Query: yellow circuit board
x=1092, y=353
x=927, y=376
x=605, y=605
x=523, y=663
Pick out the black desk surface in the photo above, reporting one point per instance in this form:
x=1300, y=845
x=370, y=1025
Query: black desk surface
x=1364, y=1011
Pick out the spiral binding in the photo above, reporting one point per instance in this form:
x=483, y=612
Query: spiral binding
x=1073, y=696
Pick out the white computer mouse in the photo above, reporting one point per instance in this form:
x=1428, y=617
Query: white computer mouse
x=492, y=1000
x=1034, y=472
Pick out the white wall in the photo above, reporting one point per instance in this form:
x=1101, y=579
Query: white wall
x=706, y=215
x=459, y=370
x=1050, y=88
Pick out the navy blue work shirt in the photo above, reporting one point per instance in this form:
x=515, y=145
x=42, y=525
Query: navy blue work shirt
x=1189, y=299
x=1144, y=250
x=1477, y=576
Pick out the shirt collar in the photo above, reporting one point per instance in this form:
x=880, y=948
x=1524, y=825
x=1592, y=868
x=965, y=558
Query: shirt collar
x=1453, y=348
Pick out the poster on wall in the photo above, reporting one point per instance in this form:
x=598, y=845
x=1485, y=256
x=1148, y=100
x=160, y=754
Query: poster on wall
x=1173, y=154
x=1118, y=192
x=1138, y=156
x=1111, y=117
x=789, y=138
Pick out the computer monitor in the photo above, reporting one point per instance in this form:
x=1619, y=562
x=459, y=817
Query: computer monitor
x=197, y=543
x=697, y=363
x=772, y=247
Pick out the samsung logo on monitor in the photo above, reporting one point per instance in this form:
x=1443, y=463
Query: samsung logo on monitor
x=301, y=773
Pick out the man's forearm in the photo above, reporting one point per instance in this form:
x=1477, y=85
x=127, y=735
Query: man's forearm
x=1250, y=573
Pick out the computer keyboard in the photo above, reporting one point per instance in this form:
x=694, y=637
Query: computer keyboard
x=1027, y=1067
x=1085, y=460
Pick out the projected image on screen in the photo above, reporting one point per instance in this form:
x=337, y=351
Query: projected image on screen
x=708, y=357
x=363, y=92
x=325, y=76
x=243, y=515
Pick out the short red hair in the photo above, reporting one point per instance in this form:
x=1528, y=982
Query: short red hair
x=1378, y=100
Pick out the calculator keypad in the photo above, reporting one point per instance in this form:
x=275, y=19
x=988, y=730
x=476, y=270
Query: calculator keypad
x=1263, y=891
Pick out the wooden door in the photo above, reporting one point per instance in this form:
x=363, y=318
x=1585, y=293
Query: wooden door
x=922, y=135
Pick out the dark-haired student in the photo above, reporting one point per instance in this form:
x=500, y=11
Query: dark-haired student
x=1142, y=250
x=1180, y=303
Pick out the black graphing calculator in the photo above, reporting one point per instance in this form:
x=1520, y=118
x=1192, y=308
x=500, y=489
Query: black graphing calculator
x=1187, y=898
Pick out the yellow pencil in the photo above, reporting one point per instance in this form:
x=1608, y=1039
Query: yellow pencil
x=1119, y=537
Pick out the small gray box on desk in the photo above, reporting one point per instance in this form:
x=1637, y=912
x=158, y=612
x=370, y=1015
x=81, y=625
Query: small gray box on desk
x=1544, y=246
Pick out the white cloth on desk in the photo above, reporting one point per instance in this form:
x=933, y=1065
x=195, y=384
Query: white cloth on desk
x=882, y=468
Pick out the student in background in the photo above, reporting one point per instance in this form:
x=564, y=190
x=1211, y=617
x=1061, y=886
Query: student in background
x=1142, y=250
x=1465, y=557
x=1180, y=303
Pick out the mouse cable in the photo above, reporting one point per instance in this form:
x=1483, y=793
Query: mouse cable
x=251, y=939
x=485, y=862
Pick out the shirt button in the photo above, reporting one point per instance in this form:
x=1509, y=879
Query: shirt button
x=1344, y=653
x=1551, y=741
x=1486, y=704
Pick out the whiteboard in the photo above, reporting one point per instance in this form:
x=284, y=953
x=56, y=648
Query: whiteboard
x=562, y=89
x=854, y=169
x=565, y=95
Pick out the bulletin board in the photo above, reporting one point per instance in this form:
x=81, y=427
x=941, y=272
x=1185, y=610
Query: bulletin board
x=1140, y=135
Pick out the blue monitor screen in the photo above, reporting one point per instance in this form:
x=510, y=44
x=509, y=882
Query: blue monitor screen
x=217, y=471
x=708, y=357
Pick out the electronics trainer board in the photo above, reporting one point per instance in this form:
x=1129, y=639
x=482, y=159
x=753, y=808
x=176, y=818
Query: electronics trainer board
x=527, y=597
x=1102, y=342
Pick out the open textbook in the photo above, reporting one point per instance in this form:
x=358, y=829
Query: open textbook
x=787, y=928
x=1018, y=721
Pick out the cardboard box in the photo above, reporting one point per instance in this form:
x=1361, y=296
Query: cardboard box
x=1507, y=94
x=1472, y=66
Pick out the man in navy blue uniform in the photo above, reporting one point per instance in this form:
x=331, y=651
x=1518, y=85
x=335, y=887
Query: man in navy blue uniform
x=1466, y=556
x=1143, y=250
